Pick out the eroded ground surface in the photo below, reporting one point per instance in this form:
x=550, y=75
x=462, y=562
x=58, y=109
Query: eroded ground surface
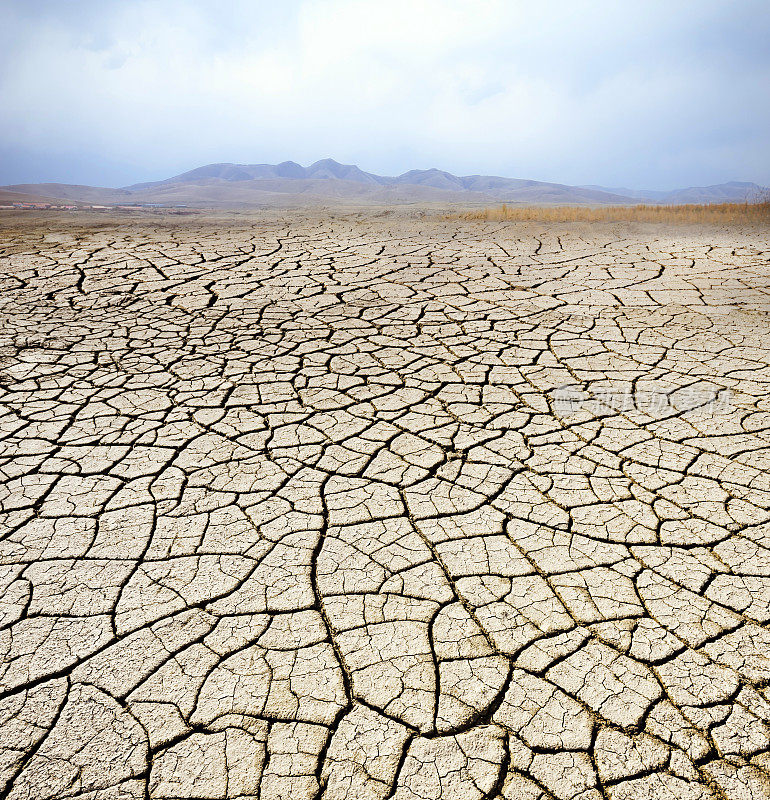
x=385, y=509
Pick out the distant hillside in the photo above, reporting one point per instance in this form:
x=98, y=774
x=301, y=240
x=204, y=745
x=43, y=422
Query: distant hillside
x=731, y=192
x=328, y=181
x=8, y=196
x=73, y=193
x=415, y=185
x=326, y=168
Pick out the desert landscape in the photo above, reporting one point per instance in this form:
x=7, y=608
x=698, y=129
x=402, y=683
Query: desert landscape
x=327, y=183
x=384, y=503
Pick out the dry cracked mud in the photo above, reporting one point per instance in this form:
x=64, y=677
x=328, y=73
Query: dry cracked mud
x=384, y=508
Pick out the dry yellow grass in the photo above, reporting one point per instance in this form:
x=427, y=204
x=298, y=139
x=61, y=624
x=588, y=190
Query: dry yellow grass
x=714, y=212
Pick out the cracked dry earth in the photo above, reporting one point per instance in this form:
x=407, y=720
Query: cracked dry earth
x=295, y=509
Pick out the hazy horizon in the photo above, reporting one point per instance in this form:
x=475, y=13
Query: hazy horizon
x=331, y=158
x=659, y=96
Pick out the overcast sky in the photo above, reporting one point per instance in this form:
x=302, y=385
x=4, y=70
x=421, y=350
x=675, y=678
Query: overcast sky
x=643, y=94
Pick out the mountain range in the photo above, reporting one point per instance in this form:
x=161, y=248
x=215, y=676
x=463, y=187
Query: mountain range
x=327, y=181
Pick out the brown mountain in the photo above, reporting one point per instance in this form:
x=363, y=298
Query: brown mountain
x=327, y=181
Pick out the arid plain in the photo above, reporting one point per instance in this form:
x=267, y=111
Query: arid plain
x=381, y=506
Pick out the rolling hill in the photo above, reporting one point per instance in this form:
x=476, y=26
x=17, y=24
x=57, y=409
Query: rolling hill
x=228, y=185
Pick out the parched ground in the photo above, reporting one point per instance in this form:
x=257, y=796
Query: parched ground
x=379, y=508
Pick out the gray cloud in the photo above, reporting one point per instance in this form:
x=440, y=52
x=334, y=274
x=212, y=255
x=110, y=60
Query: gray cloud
x=657, y=94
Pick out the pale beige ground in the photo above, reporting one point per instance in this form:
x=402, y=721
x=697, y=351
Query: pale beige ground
x=380, y=507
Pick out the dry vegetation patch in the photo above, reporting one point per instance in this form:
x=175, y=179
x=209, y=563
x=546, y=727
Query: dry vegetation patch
x=713, y=212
